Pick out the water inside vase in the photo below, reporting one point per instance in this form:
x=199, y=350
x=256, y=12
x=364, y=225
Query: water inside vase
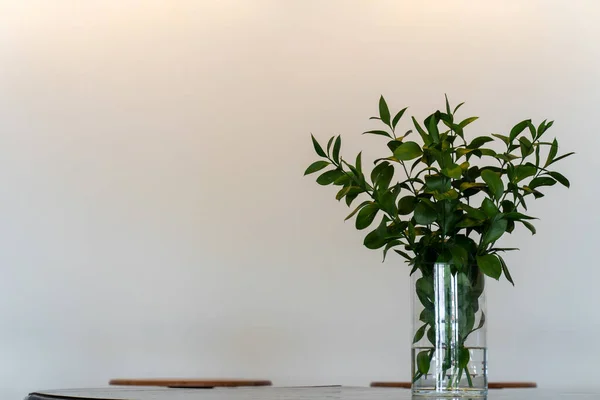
x=445, y=378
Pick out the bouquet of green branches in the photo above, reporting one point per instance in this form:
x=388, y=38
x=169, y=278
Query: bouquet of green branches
x=446, y=197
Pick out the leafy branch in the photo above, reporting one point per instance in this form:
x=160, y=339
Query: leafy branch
x=427, y=215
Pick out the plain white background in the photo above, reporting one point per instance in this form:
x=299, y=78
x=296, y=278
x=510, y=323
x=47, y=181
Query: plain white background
x=154, y=220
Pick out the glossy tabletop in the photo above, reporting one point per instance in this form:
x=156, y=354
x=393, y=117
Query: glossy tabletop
x=297, y=393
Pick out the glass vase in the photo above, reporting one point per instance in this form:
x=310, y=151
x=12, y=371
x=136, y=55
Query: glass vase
x=449, y=351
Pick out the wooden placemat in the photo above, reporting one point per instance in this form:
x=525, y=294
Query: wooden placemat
x=190, y=383
x=491, y=385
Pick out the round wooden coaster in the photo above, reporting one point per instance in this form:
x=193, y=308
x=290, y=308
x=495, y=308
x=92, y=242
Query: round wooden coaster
x=491, y=385
x=190, y=383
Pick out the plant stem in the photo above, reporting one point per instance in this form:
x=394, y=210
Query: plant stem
x=409, y=177
x=417, y=376
x=468, y=377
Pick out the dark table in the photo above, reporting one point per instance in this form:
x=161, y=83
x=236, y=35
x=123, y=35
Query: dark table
x=290, y=393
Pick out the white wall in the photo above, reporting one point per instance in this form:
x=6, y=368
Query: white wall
x=154, y=220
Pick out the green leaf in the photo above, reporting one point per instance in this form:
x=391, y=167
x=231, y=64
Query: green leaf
x=479, y=141
x=481, y=321
x=384, y=177
x=463, y=357
x=408, y=151
x=532, y=130
x=423, y=362
x=397, y=117
x=494, y=231
x=506, y=271
x=336, y=149
x=460, y=256
x=408, y=132
x=495, y=249
x=329, y=177
x=384, y=111
x=343, y=192
x=552, y=153
x=494, y=183
x=561, y=157
x=505, y=139
x=411, y=233
x=388, y=246
x=473, y=212
x=403, y=254
x=467, y=121
x=431, y=122
x=457, y=107
x=471, y=185
x=507, y=157
x=366, y=216
x=352, y=168
x=489, y=208
x=343, y=180
x=526, y=146
x=424, y=214
x=352, y=195
x=469, y=223
x=541, y=129
x=461, y=152
x=517, y=129
x=378, y=132
x=449, y=195
x=541, y=181
x=316, y=166
x=517, y=216
x=419, y=334
x=537, y=194
x=387, y=199
x=447, y=119
x=394, y=144
x=559, y=177
x=318, y=147
x=453, y=171
x=437, y=183
x=359, y=162
x=510, y=227
x=378, y=169
x=374, y=240
x=431, y=335
x=523, y=171
x=490, y=265
x=406, y=205
x=522, y=200
x=457, y=130
x=529, y=226
x=488, y=152
x=329, y=143
x=447, y=104
x=508, y=206
x=466, y=314
x=424, y=287
x=357, y=209
x=424, y=135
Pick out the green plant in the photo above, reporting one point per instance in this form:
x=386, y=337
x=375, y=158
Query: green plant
x=454, y=199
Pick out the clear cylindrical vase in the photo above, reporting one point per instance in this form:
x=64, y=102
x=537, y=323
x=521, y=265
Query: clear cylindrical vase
x=449, y=350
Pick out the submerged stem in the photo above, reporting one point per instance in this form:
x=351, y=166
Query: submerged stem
x=468, y=377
